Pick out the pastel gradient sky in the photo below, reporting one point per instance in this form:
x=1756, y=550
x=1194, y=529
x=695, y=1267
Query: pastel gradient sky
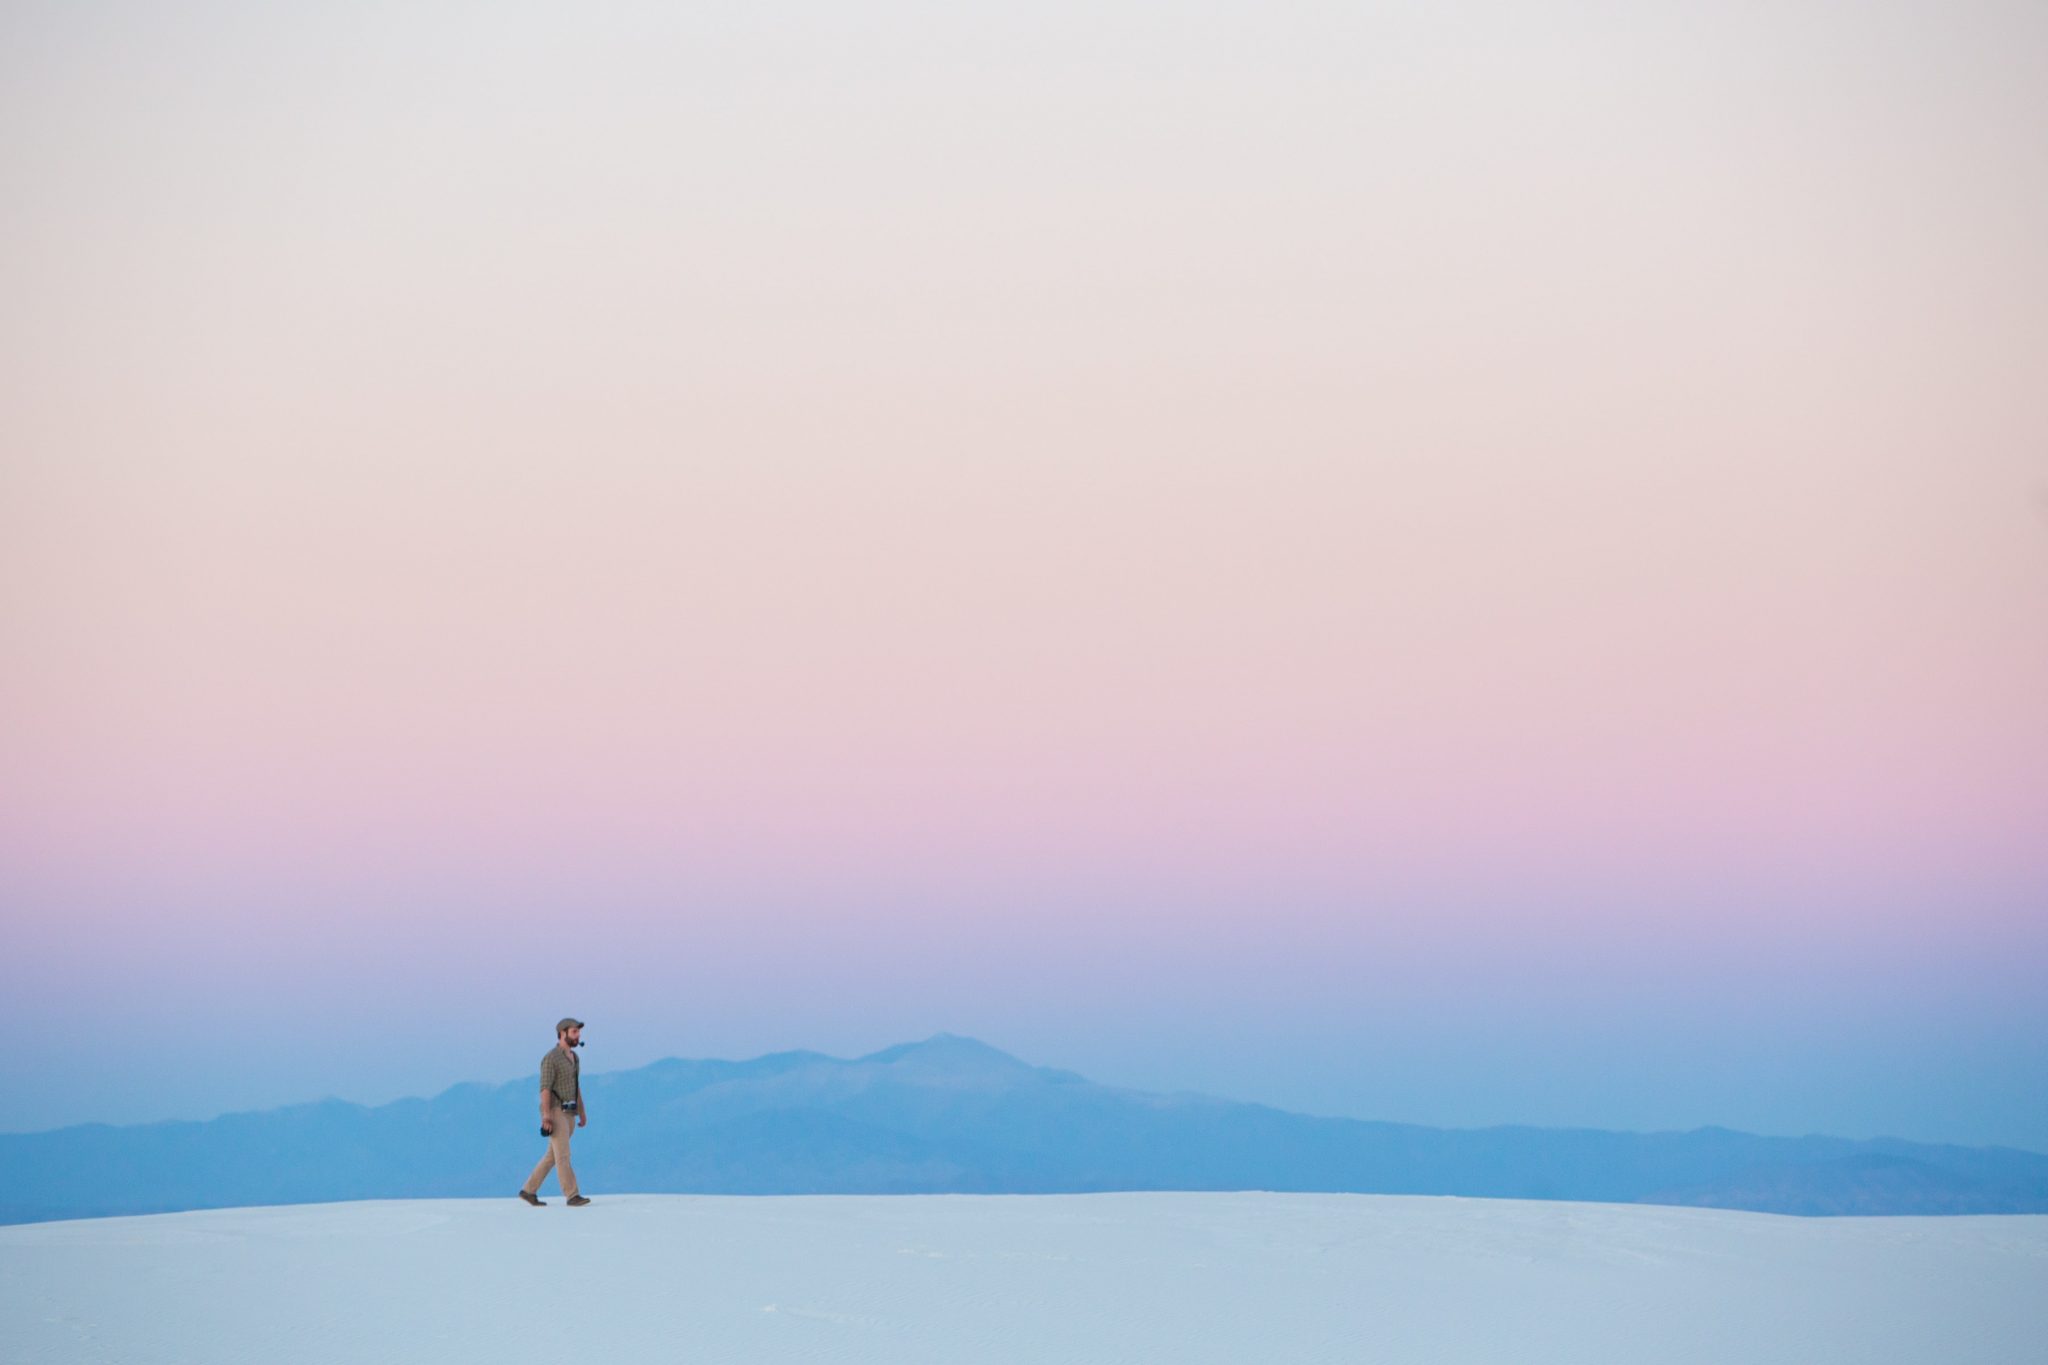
x=1447, y=562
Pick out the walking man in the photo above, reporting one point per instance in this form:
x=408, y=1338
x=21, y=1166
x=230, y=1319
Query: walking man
x=561, y=1112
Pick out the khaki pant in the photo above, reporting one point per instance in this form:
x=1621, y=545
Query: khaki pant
x=557, y=1159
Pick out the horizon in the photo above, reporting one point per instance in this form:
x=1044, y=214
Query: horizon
x=1452, y=563
x=947, y=1035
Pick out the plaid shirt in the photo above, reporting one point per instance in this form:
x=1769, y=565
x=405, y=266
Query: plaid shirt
x=559, y=1071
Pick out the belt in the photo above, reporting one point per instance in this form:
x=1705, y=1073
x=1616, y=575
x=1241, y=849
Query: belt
x=570, y=1107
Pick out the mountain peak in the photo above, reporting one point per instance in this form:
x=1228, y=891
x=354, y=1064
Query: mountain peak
x=951, y=1051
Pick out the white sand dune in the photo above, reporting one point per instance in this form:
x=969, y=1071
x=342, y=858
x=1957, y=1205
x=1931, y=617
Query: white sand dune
x=1112, y=1278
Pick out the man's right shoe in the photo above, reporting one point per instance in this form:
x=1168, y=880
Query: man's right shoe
x=533, y=1199
x=577, y=1201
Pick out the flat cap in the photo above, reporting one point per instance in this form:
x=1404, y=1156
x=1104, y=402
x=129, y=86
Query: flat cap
x=568, y=1024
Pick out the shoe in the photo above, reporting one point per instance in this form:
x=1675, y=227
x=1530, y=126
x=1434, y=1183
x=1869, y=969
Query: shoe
x=533, y=1199
x=577, y=1201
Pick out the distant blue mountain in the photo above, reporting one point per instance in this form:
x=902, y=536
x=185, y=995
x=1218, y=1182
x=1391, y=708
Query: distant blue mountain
x=951, y=1114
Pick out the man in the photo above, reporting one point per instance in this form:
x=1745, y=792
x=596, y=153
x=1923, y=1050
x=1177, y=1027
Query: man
x=561, y=1111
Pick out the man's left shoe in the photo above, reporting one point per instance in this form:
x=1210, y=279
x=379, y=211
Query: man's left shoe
x=577, y=1201
x=533, y=1199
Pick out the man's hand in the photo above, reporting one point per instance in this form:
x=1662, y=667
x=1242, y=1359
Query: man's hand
x=547, y=1126
x=582, y=1119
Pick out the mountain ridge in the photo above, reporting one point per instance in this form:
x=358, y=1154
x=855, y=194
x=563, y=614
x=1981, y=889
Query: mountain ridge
x=952, y=1114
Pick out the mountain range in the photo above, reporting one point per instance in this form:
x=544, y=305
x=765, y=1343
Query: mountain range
x=954, y=1115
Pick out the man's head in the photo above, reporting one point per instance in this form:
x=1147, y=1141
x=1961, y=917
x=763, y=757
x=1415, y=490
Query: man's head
x=569, y=1033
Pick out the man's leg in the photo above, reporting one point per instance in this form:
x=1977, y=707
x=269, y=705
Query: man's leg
x=547, y=1163
x=558, y=1151
x=540, y=1172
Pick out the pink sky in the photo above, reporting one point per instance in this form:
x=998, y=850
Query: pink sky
x=1350, y=492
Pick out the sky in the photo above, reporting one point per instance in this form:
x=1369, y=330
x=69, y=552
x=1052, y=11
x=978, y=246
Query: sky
x=1455, y=563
